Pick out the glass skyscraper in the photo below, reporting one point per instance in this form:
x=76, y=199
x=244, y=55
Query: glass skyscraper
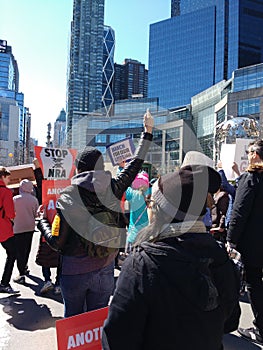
x=86, y=61
x=108, y=70
x=201, y=44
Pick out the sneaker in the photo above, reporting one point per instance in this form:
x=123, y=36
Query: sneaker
x=8, y=289
x=57, y=290
x=20, y=279
x=46, y=287
x=251, y=334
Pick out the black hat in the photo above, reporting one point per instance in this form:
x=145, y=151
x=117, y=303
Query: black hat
x=90, y=159
x=182, y=194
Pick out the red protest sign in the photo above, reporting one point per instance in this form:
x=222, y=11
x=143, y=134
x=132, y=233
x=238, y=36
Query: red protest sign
x=83, y=331
x=50, y=193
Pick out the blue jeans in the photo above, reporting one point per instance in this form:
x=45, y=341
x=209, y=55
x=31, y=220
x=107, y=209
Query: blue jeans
x=88, y=291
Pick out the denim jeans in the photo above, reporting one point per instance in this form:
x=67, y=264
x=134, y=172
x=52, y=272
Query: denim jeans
x=88, y=291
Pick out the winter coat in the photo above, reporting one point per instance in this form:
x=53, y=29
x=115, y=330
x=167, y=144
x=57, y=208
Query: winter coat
x=219, y=209
x=91, y=189
x=26, y=206
x=138, y=212
x=7, y=212
x=245, y=228
x=46, y=256
x=157, y=304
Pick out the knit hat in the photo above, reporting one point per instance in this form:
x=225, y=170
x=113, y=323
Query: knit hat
x=25, y=186
x=182, y=194
x=141, y=180
x=89, y=159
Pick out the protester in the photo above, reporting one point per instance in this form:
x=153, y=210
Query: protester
x=246, y=235
x=7, y=214
x=178, y=289
x=87, y=276
x=46, y=257
x=26, y=207
x=136, y=196
x=218, y=213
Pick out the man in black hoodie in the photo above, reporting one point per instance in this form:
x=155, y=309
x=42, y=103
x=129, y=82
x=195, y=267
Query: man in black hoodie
x=178, y=289
x=87, y=278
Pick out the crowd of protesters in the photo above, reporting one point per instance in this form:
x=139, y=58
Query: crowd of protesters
x=178, y=279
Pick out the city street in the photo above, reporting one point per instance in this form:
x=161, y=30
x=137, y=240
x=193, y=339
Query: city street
x=27, y=321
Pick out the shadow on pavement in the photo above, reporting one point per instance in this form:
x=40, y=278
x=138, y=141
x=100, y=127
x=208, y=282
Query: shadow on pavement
x=36, y=288
x=27, y=315
x=234, y=342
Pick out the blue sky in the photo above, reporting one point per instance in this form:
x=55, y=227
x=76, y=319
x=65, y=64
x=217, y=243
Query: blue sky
x=38, y=31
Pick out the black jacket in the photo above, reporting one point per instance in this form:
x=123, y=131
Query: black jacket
x=157, y=306
x=245, y=228
x=91, y=188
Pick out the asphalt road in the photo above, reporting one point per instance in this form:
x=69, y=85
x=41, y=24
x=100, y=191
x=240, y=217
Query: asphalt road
x=27, y=321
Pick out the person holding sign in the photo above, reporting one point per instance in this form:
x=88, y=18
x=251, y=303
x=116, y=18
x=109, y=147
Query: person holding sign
x=178, y=289
x=87, y=211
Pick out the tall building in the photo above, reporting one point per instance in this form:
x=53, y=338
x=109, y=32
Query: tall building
x=9, y=77
x=130, y=78
x=200, y=45
x=14, y=117
x=108, y=70
x=86, y=62
x=59, y=138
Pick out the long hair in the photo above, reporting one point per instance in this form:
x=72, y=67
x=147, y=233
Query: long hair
x=152, y=231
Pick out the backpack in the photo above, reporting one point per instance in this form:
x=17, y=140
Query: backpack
x=96, y=226
x=102, y=236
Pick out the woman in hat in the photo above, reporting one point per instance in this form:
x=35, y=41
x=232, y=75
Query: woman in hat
x=136, y=196
x=178, y=289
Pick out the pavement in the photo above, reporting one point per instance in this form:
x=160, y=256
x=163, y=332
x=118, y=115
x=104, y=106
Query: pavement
x=28, y=320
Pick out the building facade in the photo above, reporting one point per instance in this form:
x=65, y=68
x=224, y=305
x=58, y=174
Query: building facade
x=130, y=79
x=202, y=44
x=59, y=137
x=84, y=91
x=108, y=70
x=234, y=99
x=15, y=118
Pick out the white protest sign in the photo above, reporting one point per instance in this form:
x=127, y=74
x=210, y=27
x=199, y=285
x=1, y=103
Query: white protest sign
x=121, y=150
x=240, y=156
x=227, y=157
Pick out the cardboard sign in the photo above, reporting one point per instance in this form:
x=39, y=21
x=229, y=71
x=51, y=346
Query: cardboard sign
x=20, y=172
x=50, y=192
x=121, y=150
x=83, y=331
x=56, y=163
x=240, y=156
x=235, y=153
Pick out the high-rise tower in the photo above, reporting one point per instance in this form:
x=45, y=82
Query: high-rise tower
x=108, y=70
x=130, y=78
x=86, y=62
x=201, y=44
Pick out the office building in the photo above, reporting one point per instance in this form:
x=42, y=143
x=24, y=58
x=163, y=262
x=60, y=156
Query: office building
x=239, y=97
x=108, y=70
x=202, y=44
x=15, y=119
x=59, y=138
x=130, y=80
x=84, y=92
